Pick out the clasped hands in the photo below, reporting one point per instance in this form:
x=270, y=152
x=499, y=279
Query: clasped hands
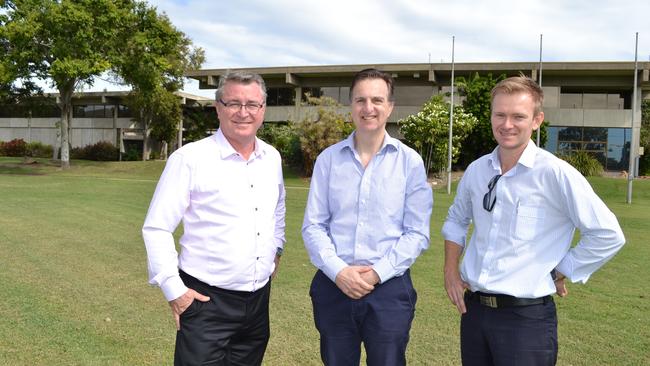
x=357, y=281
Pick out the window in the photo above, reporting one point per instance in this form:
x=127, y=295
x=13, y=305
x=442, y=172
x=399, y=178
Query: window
x=123, y=112
x=312, y=92
x=93, y=111
x=609, y=145
x=280, y=96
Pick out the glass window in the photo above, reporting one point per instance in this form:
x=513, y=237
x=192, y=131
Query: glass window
x=79, y=111
x=109, y=110
x=280, y=96
x=570, y=134
x=611, y=146
x=312, y=92
x=600, y=146
x=595, y=134
x=551, y=139
x=618, y=148
x=123, y=111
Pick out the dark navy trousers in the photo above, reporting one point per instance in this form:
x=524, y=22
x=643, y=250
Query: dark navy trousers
x=510, y=336
x=380, y=320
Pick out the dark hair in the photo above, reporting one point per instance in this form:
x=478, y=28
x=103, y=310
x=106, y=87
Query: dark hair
x=521, y=84
x=239, y=77
x=374, y=74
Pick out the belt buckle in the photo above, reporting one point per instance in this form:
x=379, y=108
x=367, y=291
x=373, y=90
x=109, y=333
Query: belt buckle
x=490, y=301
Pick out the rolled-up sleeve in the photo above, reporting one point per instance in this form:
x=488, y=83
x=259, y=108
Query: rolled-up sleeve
x=458, y=216
x=601, y=236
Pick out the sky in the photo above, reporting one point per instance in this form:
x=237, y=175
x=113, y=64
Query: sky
x=257, y=33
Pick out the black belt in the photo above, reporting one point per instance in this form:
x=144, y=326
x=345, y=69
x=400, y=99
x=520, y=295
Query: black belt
x=503, y=301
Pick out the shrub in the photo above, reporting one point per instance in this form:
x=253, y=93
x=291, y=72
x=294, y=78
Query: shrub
x=644, y=164
x=132, y=155
x=100, y=151
x=15, y=147
x=37, y=149
x=321, y=129
x=285, y=138
x=584, y=162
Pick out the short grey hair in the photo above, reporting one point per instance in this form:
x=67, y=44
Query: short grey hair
x=239, y=77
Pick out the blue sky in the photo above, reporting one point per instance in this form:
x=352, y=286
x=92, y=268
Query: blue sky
x=291, y=32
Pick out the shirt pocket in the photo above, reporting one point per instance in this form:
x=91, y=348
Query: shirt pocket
x=528, y=221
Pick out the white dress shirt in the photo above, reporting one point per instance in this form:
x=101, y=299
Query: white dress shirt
x=233, y=217
x=378, y=215
x=539, y=204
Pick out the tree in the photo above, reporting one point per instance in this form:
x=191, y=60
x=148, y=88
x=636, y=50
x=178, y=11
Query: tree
x=428, y=132
x=478, y=101
x=477, y=91
x=325, y=128
x=70, y=43
x=198, y=121
x=644, y=160
x=161, y=112
x=66, y=42
x=153, y=61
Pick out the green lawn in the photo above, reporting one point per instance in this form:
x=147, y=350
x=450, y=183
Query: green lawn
x=73, y=280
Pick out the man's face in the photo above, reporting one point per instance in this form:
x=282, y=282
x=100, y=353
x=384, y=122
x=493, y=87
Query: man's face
x=239, y=125
x=370, y=105
x=514, y=120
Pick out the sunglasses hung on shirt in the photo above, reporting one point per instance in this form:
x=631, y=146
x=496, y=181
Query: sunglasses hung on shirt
x=490, y=198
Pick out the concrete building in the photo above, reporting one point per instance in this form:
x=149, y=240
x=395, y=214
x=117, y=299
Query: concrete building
x=96, y=116
x=588, y=104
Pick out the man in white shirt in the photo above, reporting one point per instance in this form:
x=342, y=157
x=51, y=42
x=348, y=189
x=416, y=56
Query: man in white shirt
x=525, y=205
x=228, y=190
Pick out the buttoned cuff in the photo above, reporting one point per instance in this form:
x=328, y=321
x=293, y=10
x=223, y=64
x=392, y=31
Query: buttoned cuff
x=332, y=267
x=384, y=270
x=173, y=288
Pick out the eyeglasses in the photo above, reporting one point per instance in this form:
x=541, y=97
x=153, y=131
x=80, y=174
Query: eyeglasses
x=234, y=107
x=490, y=198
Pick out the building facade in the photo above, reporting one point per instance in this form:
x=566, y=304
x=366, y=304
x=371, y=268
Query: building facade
x=589, y=105
x=96, y=116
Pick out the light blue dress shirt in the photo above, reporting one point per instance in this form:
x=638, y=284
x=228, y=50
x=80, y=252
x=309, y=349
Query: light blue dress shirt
x=539, y=204
x=376, y=216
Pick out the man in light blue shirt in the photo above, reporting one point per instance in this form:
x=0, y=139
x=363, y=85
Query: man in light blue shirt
x=525, y=205
x=367, y=220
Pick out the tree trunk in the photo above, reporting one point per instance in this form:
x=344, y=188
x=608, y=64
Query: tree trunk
x=146, y=136
x=57, y=144
x=65, y=93
x=163, y=150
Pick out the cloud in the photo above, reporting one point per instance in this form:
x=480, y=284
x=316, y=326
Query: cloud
x=259, y=33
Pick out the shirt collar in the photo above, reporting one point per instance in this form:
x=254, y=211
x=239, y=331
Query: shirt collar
x=388, y=141
x=226, y=150
x=526, y=159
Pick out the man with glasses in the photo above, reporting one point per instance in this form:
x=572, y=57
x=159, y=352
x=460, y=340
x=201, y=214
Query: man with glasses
x=366, y=222
x=228, y=191
x=525, y=205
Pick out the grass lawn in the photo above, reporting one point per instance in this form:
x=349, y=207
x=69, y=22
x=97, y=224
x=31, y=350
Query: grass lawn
x=73, y=280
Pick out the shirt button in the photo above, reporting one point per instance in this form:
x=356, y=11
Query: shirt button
x=258, y=234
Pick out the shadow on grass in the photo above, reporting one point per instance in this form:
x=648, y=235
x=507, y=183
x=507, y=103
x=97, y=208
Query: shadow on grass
x=26, y=166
